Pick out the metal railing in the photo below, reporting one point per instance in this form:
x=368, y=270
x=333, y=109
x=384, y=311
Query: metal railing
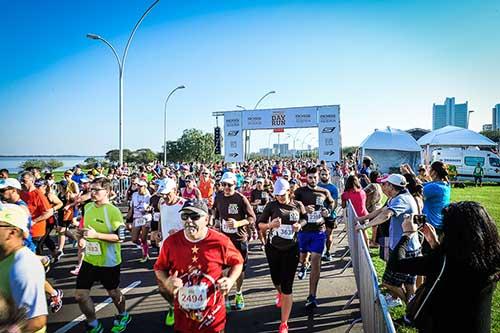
x=374, y=311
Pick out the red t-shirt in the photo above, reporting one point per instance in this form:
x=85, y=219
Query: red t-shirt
x=358, y=200
x=37, y=204
x=199, y=263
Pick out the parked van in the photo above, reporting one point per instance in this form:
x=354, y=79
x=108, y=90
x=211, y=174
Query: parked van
x=465, y=160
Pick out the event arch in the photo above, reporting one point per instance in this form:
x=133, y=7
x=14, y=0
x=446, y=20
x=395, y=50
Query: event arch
x=325, y=117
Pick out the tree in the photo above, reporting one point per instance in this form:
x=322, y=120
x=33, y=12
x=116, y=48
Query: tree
x=39, y=164
x=142, y=156
x=492, y=135
x=114, y=155
x=193, y=145
x=53, y=164
x=348, y=151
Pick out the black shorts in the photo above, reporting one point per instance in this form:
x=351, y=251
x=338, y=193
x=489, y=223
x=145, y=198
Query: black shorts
x=154, y=225
x=283, y=264
x=398, y=279
x=243, y=248
x=108, y=276
x=330, y=223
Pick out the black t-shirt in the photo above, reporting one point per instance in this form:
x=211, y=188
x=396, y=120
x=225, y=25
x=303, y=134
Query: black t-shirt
x=237, y=207
x=261, y=195
x=319, y=198
x=290, y=214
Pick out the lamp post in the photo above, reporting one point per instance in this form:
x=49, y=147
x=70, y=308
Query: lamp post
x=121, y=68
x=165, y=125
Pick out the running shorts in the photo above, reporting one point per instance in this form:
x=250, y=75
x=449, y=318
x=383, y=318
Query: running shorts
x=108, y=276
x=283, y=265
x=312, y=241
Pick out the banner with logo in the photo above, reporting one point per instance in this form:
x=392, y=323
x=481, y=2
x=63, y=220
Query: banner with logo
x=233, y=137
x=329, y=133
x=299, y=117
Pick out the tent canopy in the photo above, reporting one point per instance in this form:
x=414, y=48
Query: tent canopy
x=454, y=136
x=390, y=139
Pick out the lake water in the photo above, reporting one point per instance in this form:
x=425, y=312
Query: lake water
x=12, y=163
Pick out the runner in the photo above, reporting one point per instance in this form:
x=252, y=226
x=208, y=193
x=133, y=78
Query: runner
x=102, y=257
x=282, y=250
x=312, y=237
x=330, y=224
x=207, y=187
x=140, y=213
x=191, y=191
x=190, y=268
x=234, y=212
x=170, y=223
x=68, y=190
x=21, y=274
x=259, y=198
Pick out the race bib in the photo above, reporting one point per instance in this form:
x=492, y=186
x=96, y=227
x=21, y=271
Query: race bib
x=156, y=217
x=193, y=298
x=314, y=217
x=264, y=195
x=93, y=248
x=139, y=222
x=260, y=208
x=286, y=231
x=294, y=216
x=227, y=229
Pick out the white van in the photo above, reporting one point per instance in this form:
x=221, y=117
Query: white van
x=465, y=160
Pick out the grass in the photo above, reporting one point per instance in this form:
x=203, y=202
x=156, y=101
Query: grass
x=488, y=197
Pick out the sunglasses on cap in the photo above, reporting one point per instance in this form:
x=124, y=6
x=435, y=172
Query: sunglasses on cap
x=192, y=216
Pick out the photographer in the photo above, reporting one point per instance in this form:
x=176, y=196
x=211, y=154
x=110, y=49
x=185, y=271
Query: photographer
x=469, y=252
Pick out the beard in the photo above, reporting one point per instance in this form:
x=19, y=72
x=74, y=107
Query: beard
x=191, y=227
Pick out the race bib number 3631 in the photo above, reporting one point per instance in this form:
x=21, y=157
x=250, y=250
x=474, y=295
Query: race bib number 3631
x=286, y=231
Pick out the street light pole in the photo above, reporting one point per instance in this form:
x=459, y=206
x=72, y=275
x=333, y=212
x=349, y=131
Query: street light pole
x=165, y=125
x=255, y=108
x=121, y=67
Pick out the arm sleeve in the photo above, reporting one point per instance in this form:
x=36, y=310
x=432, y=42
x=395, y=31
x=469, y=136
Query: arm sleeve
x=424, y=265
x=27, y=280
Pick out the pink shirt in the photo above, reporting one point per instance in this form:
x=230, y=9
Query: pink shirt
x=358, y=200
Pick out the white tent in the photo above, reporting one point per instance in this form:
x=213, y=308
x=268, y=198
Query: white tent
x=390, y=148
x=452, y=136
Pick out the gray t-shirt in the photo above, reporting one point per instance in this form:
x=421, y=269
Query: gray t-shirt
x=402, y=204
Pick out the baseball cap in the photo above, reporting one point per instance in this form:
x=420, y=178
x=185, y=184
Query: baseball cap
x=249, y=180
x=10, y=182
x=281, y=186
x=39, y=182
x=260, y=180
x=142, y=183
x=167, y=186
x=228, y=177
x=16, y=216
x=286, y=172
x=197, y=206
x=394, y=179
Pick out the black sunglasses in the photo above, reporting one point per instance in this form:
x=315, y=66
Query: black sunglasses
x=227, y=185
x=192, y=216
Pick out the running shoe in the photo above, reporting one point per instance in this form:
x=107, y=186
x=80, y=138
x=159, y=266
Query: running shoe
x=302, y=274
x=228, y=304
x=326, y=257
x=240, y=301
x=277, y=301
x=144, y=259
x=283, y=328
x=60, y=253
x=56, y=301
x=311, y=302
x=120, y=323
x=393, y=302
x=169, y=318
x=75, y=271
x=90, y=329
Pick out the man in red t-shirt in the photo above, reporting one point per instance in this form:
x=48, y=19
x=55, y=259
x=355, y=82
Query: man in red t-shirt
x=189, y=271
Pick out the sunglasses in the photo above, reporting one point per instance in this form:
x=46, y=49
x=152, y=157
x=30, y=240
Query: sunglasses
x=96, y=189
x=227, y=185
x=311, y=177
x=192, y=216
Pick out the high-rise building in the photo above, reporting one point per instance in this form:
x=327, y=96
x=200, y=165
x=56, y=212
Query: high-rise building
x=450, y=114
x=487, y=127
x=495, y=122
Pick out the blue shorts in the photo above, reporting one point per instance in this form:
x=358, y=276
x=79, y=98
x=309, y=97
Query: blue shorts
x=312, y=241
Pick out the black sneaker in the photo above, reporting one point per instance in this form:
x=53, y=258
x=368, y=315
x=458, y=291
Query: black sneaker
x=311, y=302
x=326, y=257
x=302, y=274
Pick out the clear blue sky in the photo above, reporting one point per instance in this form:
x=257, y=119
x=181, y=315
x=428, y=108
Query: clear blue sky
x=384, y=62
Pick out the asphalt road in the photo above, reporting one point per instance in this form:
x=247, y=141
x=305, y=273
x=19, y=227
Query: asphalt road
x=260, y=315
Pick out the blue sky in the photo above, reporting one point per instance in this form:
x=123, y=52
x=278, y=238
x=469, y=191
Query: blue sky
x=384, y=62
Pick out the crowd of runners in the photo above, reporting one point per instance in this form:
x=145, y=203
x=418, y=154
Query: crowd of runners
x=198, y=219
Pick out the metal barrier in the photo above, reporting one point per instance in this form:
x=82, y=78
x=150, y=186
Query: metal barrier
x=120, y=187
x=374, y=311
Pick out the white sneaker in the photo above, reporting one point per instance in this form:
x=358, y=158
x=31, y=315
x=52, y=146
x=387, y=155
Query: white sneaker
x=393, y=302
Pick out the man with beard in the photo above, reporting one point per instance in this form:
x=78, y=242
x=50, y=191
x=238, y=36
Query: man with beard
x=195, y=282
x=324, y=176
x=312, y=237
x=234, y=212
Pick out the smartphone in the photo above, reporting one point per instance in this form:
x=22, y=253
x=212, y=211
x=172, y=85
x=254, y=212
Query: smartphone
x=419, y=220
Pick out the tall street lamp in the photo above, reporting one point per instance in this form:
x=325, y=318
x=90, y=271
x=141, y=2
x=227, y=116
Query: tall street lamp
x=165, y=125
x=121, y=67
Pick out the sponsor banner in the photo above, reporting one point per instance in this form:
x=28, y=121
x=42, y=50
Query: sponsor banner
x=329, y=133
x=233, y=137
x=280, y=118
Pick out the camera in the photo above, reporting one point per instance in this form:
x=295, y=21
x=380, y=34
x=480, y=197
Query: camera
x=419, y=219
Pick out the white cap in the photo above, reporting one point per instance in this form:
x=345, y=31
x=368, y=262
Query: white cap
x=10, y=182
x=395, y=179
x=142, y=183
x=15, y=216
x=167, y=186
x=228, y=177
x=260, y=180
x=286, y=172
x=281, y=186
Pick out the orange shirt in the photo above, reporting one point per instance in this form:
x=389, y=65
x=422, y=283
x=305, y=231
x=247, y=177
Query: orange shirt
x=207, y=189
x=37, y=205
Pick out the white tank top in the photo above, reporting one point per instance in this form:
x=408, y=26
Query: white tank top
x=170, y=218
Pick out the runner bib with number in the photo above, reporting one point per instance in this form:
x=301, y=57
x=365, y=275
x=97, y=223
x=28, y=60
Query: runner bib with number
x=156, y=217
x=286, y=231
x=193, y=298
x=139, y=222
x=227, y=229
x=314, y=217
x=93, y=248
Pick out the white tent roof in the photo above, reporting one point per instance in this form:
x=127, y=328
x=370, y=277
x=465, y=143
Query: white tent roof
x=390, y=139
x=454, y=136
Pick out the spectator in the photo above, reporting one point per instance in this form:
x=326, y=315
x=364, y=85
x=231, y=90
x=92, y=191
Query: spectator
x=78, y=174
x=422, y=174
x=373, y=200
x=470, y=251
x=4, y=174
x=354, y=192
x=478, y=174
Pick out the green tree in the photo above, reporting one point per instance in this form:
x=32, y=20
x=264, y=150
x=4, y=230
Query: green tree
x=53, y=164
x=114, y=155
x=193, y=145
x=142, y=156
x=492, y=135
x=348, y=151
x=39, y=164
